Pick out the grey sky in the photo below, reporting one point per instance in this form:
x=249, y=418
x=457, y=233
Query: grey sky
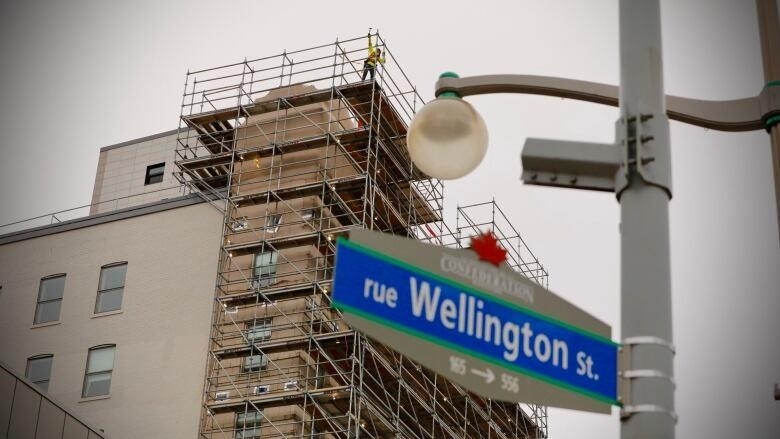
x=86, y=74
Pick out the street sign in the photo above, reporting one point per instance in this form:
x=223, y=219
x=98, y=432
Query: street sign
x=484, y=327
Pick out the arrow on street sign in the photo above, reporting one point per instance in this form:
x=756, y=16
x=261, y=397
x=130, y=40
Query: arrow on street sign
x=487, y=328
x=487, y=374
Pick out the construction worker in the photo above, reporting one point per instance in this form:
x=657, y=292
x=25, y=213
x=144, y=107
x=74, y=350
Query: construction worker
x=374, y=56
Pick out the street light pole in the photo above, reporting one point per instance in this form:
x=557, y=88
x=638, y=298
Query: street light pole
x=646, y=309
x=637, y=168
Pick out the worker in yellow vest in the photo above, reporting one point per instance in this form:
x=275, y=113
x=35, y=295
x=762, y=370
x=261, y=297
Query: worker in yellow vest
x=374, y=56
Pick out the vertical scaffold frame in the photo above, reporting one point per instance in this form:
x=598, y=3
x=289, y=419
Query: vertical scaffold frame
x=295, y=150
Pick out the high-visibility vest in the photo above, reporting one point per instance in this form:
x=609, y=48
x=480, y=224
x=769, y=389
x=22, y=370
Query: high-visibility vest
x=372, y=55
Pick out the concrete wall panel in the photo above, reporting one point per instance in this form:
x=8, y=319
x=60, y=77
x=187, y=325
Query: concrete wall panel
x=24, y=412
x=74, y=429
x=51, y=420
x=7, y=385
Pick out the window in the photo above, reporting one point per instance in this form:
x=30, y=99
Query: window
x=255, y=362
x=265, y=268
x=154, y=173
x=309, y=214
x=239, y=224
x=248, y=424
x=100, y=364
x=39, y=370
x=49, y=299
x=272, y=222
x=111, y=287
x=259, y=331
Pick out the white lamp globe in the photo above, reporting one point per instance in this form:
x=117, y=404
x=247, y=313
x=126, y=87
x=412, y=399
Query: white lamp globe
x=447, y=138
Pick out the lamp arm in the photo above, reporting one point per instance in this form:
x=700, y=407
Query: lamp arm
x=734, y=115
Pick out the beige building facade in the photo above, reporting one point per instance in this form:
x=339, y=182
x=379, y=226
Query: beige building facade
x=157, y=331
x=135, y=172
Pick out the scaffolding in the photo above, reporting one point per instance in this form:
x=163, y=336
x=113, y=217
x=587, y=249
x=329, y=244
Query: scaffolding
x=295, y=150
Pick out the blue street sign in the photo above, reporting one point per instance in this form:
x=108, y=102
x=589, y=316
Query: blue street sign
x=473, y=325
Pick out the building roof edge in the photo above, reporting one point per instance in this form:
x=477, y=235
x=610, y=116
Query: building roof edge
x=139, y=140
x=102, y=218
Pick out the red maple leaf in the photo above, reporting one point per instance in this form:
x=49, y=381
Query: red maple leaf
x=487, y=247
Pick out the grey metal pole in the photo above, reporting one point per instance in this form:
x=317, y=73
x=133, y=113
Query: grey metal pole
x=646, y=310
x=769, y=31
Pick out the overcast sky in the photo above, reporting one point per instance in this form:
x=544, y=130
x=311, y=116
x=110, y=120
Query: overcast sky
x=80, y=75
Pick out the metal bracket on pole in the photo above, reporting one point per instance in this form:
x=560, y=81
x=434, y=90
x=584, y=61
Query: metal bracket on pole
x=600, y=166
x=647, y=373
x=639, y=340
x=641, y=138
x=626, y=374
x=769, y=103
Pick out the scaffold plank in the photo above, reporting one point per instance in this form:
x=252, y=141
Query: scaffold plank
x=286, y=344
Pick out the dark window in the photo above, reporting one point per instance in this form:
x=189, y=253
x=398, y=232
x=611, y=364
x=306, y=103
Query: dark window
x=100, y=365
x=111, y=287
x=39, y=370
x=248, y=424
x=259, y=330
x=272, y=222
x=255, y=362
x=239, y=224
x=154, y=173
x=49, y=299
x=309, y=214
x=265, y=268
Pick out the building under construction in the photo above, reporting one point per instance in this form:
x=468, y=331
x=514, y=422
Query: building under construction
x=296, y=150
